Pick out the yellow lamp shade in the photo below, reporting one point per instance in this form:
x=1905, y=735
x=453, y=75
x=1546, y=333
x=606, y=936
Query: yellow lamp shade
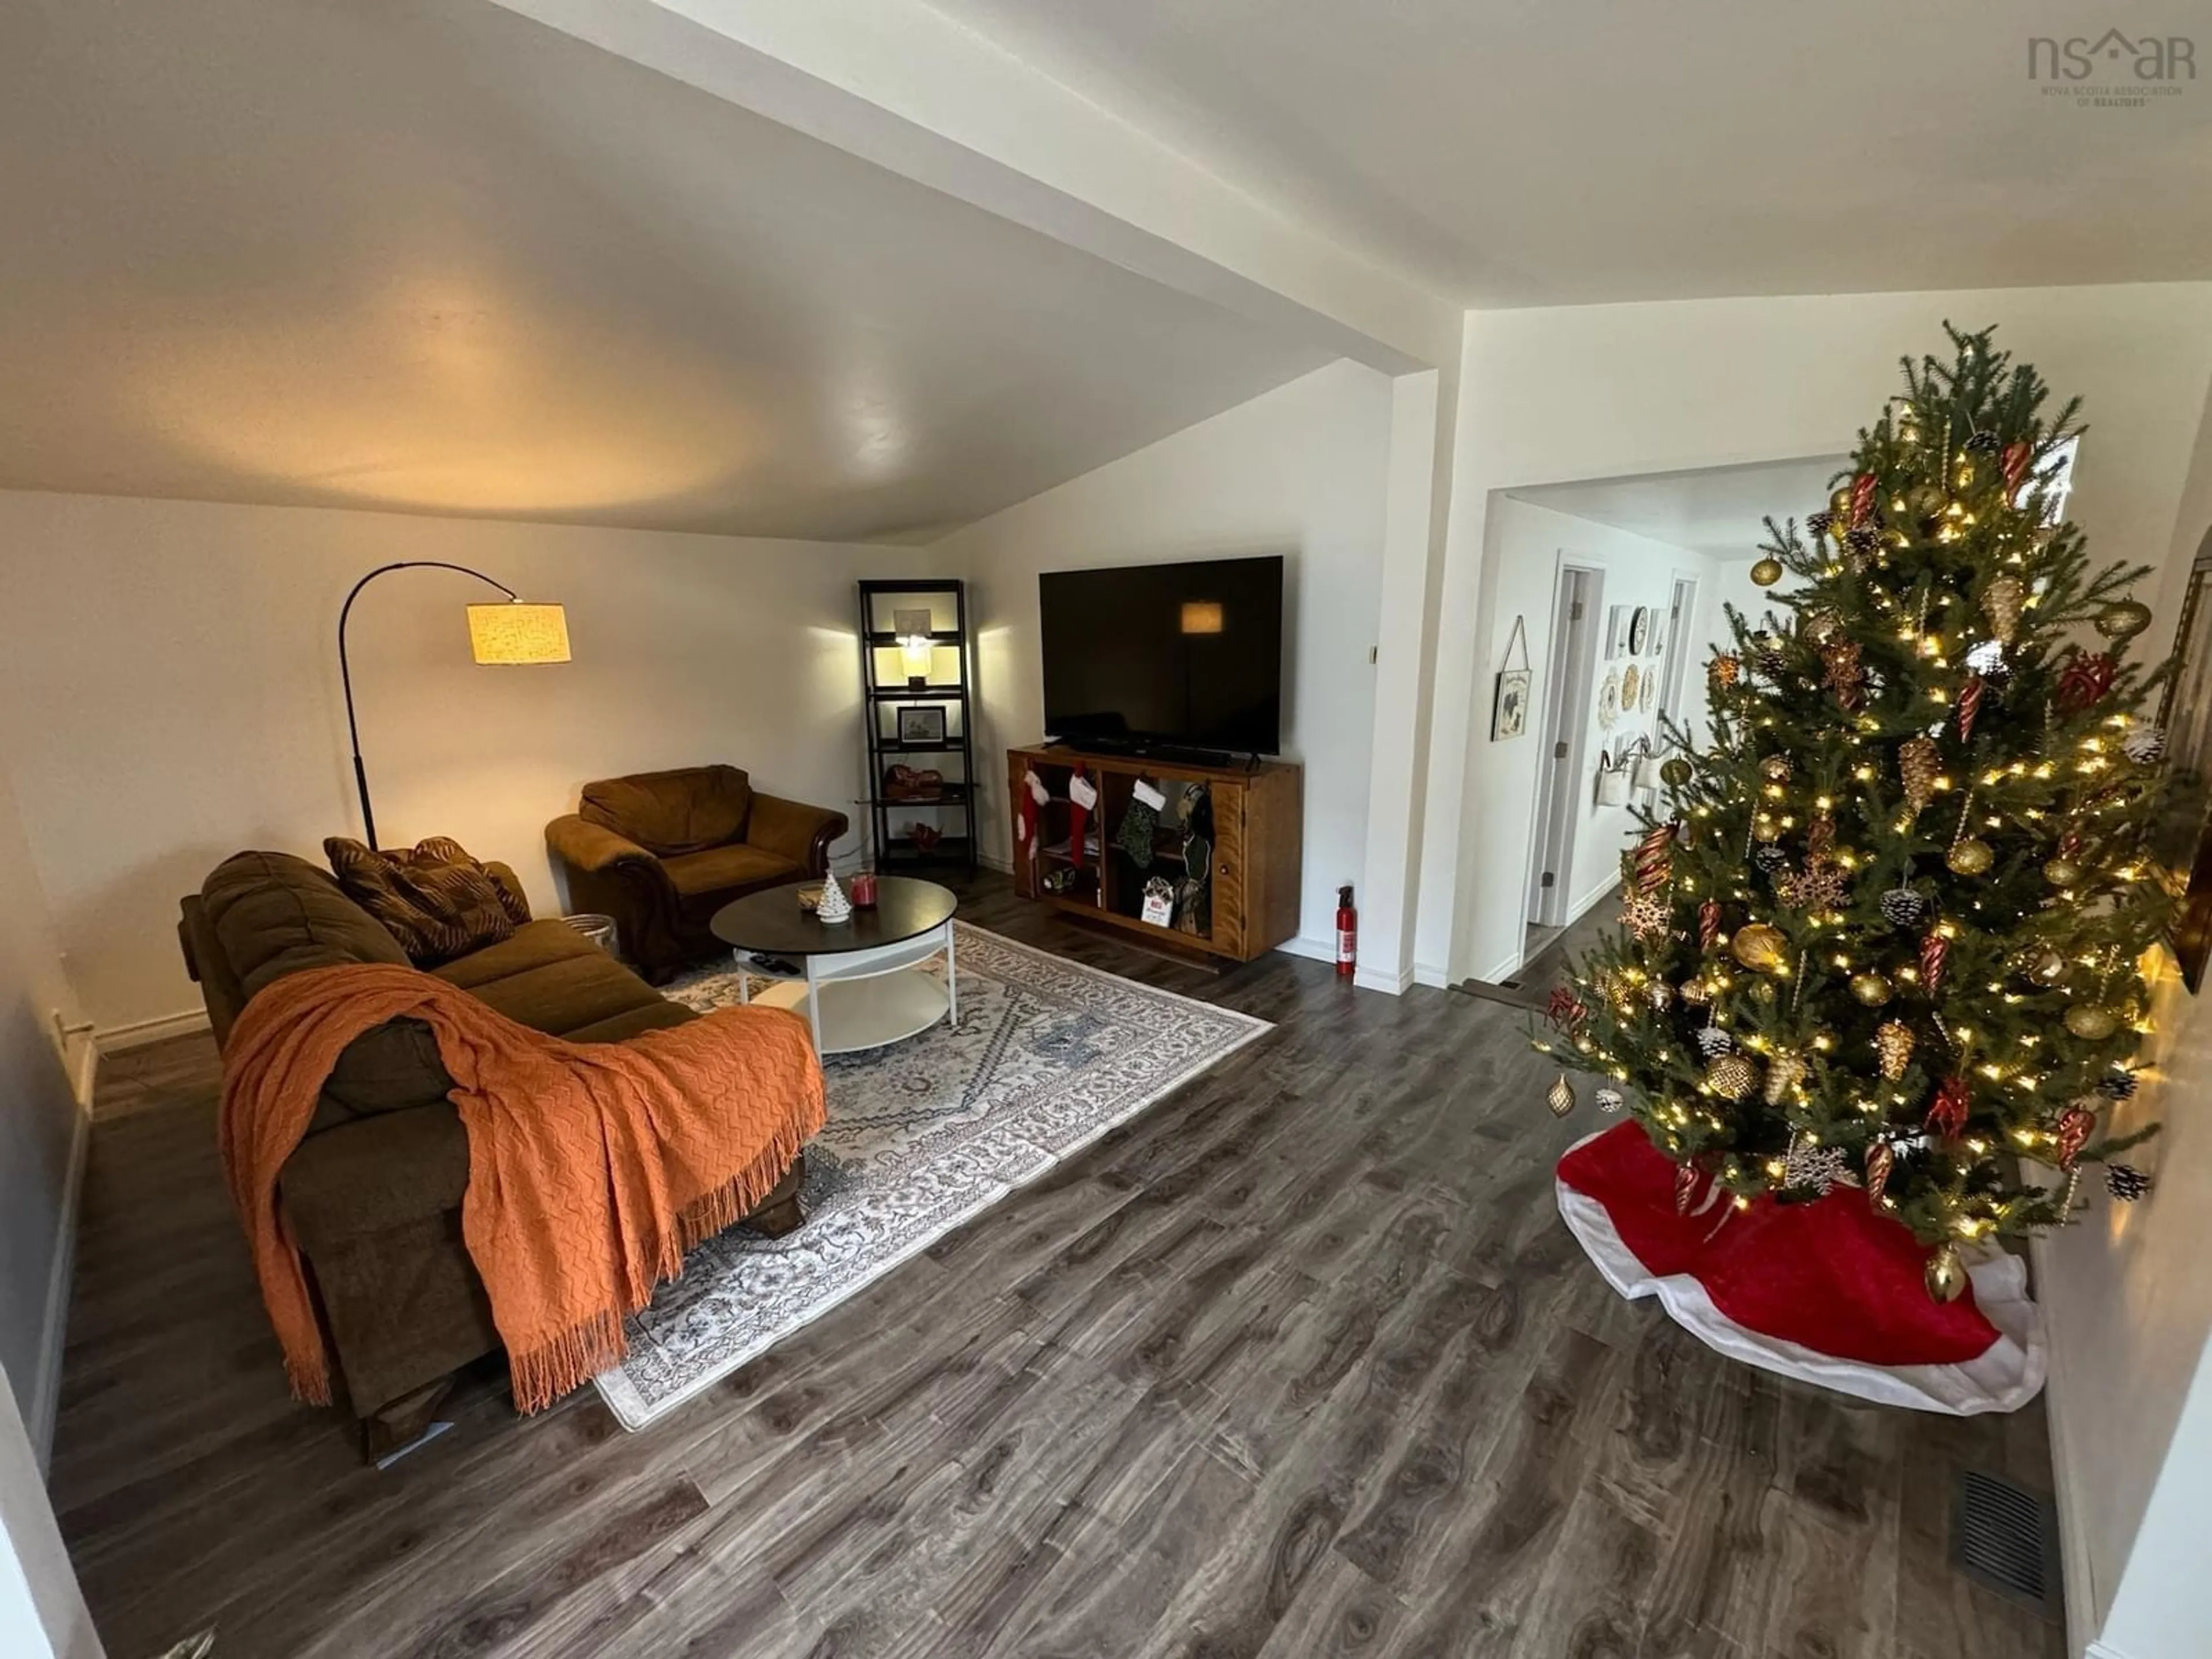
x=918, y=653
x=517, y=632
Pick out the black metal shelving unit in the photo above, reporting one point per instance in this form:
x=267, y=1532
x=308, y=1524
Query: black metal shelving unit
x=887, y=689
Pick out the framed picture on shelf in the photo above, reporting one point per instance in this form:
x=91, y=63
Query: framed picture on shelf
x=907, y=624
x=920, y=723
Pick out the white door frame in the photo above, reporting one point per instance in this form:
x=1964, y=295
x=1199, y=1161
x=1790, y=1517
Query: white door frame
x=1570, y=668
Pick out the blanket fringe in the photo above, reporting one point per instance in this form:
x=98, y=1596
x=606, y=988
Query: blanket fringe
x=565, y=1361
x=568, y=1360
x=738, y=1197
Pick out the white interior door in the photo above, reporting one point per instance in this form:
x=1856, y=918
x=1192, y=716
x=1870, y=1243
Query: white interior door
x=1570, y=665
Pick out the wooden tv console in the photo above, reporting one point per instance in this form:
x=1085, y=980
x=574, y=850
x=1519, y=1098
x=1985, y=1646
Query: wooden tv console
x=1258, y=830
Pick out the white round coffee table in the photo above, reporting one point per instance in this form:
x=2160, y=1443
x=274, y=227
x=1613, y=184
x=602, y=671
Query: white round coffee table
x=864, y=983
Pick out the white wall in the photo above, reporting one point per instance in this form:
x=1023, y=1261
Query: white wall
x=42, y=1612
x=2130, y=1306
x=169, y=688
x=1532, y=542
x=1298, y=471
x=1597, y=391
x=41, y=1133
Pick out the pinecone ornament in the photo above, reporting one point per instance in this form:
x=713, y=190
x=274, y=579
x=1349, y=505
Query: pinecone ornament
x=2126, y=1183
x=2001, y=603
x=1784, y=1073
x=1918, y=763
x=1982, y=443
x=1902, y=907
x=1608, y=1100
x=1845, y=677
x=1713, y=1040
x=1860, y=545
x=1770, y=858
x=1892, y=1047
x=2117, y=1085
x=2143, y=744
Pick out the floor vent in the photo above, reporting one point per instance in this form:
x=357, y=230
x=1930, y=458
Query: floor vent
x=2007, y=1537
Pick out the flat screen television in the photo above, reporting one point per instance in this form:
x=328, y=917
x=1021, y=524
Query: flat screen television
x=1165, y=656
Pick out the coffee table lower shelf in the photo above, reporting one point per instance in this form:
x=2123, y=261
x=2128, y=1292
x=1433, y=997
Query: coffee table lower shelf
x=858, y=999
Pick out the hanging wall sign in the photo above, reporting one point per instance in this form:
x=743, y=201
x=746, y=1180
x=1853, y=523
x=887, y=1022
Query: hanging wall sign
x=1509, y=712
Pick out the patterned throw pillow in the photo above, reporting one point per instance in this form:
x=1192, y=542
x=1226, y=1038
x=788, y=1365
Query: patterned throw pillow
x=436, y=900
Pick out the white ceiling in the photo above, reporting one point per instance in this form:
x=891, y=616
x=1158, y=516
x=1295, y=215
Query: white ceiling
x=1517, y=154
x=427, y=255
x=1720, y=512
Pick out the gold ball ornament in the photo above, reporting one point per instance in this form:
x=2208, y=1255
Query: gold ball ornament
x=2047, y=968
x=1676, y=772
x=1970, y=857
x=1759, y=947
x=1732, y=1076
x=1775, y=768
x=1561, y=1097
x=2090, y=1022
x=1871, y=989
x=1839, y=508
x=1659, y=994
x=1767, y=572
x=1820, y=626
x=1695, y=992
x=2061, y=872
x=2124, y=619
x=1945, y=1274
x=1926, y=501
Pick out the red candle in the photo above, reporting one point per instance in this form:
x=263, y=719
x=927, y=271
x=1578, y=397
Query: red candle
x=862, y=889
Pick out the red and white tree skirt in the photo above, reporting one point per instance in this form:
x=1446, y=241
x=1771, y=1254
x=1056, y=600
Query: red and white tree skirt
x=1827, y=1291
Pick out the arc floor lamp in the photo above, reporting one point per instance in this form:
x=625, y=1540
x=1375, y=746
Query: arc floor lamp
x=513, y=632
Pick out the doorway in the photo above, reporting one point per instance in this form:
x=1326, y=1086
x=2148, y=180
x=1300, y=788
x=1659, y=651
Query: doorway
x=1578, y=602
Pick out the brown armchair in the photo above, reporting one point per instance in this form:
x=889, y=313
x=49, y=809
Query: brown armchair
x=661, y=852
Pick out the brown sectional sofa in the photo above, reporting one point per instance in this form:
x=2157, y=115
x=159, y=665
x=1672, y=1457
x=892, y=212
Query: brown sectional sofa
x=373, y=1193
x=661, y=852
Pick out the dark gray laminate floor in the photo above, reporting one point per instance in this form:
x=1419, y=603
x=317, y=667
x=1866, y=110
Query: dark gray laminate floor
x=1300, y=1362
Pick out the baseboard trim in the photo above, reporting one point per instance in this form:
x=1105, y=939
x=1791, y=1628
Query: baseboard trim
x=1391, y=981
x=1426, y=973
x=46, y=1385
x=1312, y=950
x=138, y=1033
x=2083, y=1612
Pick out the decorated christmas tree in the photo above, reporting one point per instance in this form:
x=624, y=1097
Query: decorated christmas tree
x=1883, y=929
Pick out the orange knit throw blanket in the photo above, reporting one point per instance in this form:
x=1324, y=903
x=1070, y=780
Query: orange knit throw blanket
x=593, y=1166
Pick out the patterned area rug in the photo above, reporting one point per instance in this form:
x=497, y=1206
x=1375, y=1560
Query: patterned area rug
x=1048, y=1056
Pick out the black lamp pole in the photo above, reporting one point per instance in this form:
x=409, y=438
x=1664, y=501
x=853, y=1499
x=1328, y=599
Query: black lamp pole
x=346, y=668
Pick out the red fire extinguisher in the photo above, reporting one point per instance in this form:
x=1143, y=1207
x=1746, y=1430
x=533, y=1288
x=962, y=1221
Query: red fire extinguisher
x=1347, y=932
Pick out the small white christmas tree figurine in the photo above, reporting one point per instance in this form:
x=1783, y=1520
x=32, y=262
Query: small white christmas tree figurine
x=833, y=907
